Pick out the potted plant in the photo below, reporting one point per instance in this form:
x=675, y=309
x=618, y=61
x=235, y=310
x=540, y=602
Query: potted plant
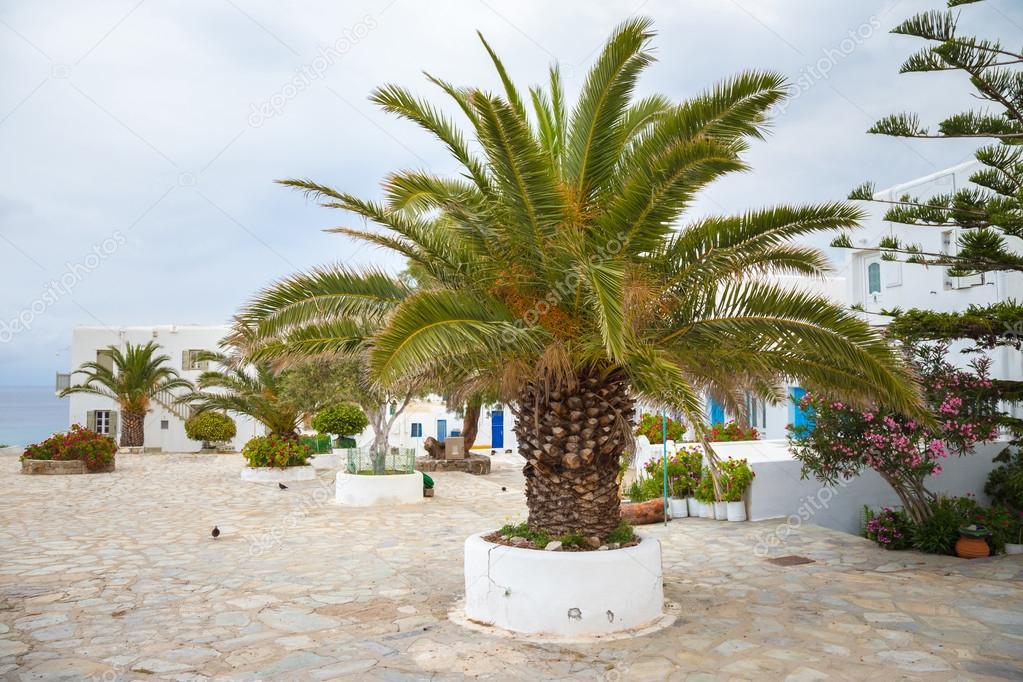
x=276, y=459
x=736, y=477
x=79, y=451
x=972, y=542
x=373, y=477
x=692, y=460
x=677, y=485
x=704, y=494
x=211, y=428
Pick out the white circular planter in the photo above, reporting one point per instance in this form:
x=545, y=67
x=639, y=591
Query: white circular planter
x=678, y=508
x=720, y=511
x=278, y=475
x=736, y=511
x=706, y=510
x=331, y=461
x=565, y=594
x=693, y=506
x=355, y=490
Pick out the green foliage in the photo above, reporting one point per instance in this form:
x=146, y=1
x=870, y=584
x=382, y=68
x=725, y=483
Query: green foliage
x=735, y=478
x=938, y=533
x=731, y=431
x=1005, y=482
x=79, y=443
x=319, y=444
x=705, y=488
x=890, y=528
x=275, y=451
x=622, y=534
x=997, y=324
x=340, y=420
x=540, y=538
x=683, y=474
x=138, y=373
x=651, y=426
x=990, y=211
x=210, y=427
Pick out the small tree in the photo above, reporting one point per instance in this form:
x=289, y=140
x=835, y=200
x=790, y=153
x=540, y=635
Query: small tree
x=991, y=209
x=842, y=440
x=340, y=420
x=210, y=427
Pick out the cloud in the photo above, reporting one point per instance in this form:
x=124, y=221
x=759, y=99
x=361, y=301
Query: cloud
x=136, y=118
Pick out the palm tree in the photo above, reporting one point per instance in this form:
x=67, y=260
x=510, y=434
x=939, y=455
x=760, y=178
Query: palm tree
x=250, y=388
x=556, y=272
x=136, y=376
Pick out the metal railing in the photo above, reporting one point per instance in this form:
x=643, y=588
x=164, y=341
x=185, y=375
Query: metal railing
x=366, y=461
x=168, y=401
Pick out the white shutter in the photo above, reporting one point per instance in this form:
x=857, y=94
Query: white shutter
x=90, y=420
x=112, y=429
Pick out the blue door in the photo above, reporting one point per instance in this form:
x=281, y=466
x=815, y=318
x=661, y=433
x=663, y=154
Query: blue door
x=801, y=420
x=717, y=413
x=497, y=429
x=442, y=429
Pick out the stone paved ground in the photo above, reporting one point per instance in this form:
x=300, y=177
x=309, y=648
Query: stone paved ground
x=115, y=577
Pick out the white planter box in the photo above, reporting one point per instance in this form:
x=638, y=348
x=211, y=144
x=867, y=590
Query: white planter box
x=331, y=461
x=565, y=594
x=1013, y=548
x=693, y=507
x=678, y=508
x=356, y=490
x=278, y=475
x=720, y=511
x=706, y=510
x=736, y=511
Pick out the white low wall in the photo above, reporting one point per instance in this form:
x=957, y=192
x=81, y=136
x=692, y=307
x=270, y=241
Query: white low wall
x=779, y=492
x=278, y=475
x=566, y=594
x=355, y=490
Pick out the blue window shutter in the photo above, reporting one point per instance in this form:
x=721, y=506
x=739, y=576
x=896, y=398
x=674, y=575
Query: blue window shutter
x=717, y=413
x=798, y=417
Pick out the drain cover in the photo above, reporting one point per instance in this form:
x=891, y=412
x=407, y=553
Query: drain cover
x=789, y=560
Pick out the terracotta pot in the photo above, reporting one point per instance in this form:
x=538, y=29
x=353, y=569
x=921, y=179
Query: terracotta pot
x=972, y=548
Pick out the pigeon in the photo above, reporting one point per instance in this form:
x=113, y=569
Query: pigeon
x=215, y=533
x=503, y=489
x=282, y=486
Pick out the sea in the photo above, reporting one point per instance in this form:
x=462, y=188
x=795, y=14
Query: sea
x=28, y=414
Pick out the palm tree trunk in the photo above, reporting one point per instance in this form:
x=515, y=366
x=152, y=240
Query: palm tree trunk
x=471, y=422
x=133, y=432
x=573, y=437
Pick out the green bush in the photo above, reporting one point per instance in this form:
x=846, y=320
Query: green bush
x=736, y=477
x=705, y=488
x=938, y=533
x=651, y=426
x=319, y=444
x=275, y=451
x=890, y=528
x=79, y=443
x=1005, y=482
x=340, y=420
x=646, y=488
x=210, y=427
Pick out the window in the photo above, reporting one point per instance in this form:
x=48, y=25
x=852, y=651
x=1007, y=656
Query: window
x=874, y=278
x=103, y=422
x=164, y=425
x=190, y=360
x=756, y=411
x=417, y=430
x=105, y=358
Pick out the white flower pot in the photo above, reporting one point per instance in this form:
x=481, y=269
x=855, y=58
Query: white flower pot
x=693, y=506
x=706, y=510
x=1013, y=548
x=720, y=511
x=536, y=592
x=678, y=508
x=366, y=490
x=736, y=511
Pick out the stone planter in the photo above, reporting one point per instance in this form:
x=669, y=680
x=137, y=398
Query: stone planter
x=54, y=467
x=565, y=594
x=678, y=508
x=330, y=462
x=365, y=490
x=278, y=475
x=736, y=511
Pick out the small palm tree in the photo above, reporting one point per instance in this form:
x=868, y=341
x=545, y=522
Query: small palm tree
x=137, y=374
x=252, y=389
x=557, y=272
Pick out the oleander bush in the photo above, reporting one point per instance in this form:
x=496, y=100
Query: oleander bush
x=732, y=431
x=96, y=450
x=652, y=426
x=275, y=451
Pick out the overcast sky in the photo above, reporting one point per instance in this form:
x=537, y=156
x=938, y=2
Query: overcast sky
x=139, y=139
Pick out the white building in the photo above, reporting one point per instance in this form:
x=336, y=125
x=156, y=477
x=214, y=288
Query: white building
x=165, y=422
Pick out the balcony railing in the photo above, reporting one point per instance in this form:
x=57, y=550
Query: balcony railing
x=63, y=381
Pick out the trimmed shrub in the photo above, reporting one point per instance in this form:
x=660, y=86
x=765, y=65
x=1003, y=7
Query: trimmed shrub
x=340, y=420
x=95, y=450
x=275, y=451
x=651, y=426
x=210, y=427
